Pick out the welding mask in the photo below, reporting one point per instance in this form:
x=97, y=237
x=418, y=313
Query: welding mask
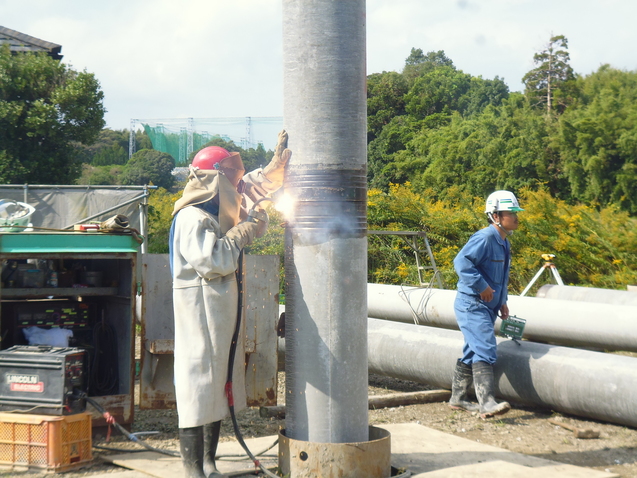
x=204, y=185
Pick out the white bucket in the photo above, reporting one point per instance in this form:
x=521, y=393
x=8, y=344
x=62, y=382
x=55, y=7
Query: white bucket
x=20, y=217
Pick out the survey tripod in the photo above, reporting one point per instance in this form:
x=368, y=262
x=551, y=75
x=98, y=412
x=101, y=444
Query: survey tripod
x=548, y=264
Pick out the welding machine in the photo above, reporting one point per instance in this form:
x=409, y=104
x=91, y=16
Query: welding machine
x=42, y=379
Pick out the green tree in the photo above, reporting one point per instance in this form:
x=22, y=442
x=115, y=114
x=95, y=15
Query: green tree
x=101, y=175
x=402, y=106
x=113, y=155
x=503, y=147
x=551, y=83
x=252, y=158
x=483, y=93
x=112, y=147
x=385, y=100
x=392, y=139
x=441, y=90
x=45, y=107
x=142, y=140
x=598, y=140
x=255, y=157
x=149, y=167
x=160, y=208
x=417, y=63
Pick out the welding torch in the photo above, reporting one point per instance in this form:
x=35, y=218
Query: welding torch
x=255, y=215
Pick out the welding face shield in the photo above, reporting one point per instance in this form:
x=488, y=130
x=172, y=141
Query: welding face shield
x=205, y=185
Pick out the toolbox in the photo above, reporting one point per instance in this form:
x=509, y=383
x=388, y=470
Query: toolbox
x=42, y=379
x=47, y=443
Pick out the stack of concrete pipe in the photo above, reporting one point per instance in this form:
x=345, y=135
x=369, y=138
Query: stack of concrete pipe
x=588, y=294
x=599, y=326
x=586, y=383
x=580, y=382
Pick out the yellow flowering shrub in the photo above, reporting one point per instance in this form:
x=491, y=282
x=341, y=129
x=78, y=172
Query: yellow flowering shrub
x=596, y=248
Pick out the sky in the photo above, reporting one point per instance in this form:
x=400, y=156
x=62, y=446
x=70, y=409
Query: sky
x=223, y=58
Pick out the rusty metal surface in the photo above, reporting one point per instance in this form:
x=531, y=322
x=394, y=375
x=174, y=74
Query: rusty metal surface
x=261, y=312
x=303, y=459
x=119, y=406
x=260, y=318
x=157, y=390
x=161, y=346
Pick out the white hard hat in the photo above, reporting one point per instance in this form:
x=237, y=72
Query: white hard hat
x=502, y=201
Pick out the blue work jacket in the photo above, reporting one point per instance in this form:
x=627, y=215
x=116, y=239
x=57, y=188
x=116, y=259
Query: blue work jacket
x=484, y=260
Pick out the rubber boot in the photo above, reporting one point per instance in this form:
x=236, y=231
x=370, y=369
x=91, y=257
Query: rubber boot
x=191, y=448
x=484, y=382
x=210, y=441
x=462, y=380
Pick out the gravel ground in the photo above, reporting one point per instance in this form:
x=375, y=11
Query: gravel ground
x=523, y=430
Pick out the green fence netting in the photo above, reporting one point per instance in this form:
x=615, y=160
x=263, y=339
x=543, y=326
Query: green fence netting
x=180, y=137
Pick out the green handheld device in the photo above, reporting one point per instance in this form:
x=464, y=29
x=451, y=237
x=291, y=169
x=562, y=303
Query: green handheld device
x=513, y=327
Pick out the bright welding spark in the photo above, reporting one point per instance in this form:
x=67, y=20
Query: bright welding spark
x=285, y=204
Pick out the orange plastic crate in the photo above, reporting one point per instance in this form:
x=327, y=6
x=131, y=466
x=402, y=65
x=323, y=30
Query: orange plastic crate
x=51, y=443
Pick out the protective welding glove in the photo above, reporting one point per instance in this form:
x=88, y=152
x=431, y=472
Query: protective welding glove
x=116, y=222
x=261, y=218
x=275, y=170
x=243, y=233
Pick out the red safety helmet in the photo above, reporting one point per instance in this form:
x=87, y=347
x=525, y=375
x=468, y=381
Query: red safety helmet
x=215, y=157
x=210, y=157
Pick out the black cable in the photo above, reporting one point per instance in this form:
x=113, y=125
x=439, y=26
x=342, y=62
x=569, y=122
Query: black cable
x=233, y=349
x=104, y=370
x=121, y=450
x=111, y=420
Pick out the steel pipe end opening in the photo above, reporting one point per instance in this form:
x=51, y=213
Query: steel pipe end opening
x=303, y=459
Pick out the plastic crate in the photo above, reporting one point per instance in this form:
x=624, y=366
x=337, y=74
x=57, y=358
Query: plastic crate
x=51, y=443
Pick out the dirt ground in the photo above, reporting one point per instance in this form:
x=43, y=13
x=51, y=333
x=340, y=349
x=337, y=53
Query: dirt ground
x=523, y=430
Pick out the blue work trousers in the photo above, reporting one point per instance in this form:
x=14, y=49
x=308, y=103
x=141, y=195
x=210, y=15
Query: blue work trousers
x=476, y=321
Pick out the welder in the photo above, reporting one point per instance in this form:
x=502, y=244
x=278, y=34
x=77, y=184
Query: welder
x=208, y=232
x=483, y=266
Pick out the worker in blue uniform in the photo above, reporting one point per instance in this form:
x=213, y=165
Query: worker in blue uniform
x=483, y=267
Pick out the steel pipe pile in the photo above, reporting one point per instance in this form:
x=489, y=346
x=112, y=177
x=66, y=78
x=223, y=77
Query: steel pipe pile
x=326, y=243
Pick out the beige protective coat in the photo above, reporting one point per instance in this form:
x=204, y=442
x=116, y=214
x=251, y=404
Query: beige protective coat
x=205, y=305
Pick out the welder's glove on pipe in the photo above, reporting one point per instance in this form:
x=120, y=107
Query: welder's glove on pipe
x=275, y=170
x=242, y=234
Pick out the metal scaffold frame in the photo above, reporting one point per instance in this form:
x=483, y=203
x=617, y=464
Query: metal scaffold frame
x=417, y=240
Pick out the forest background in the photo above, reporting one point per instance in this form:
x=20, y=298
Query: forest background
x=439, y=141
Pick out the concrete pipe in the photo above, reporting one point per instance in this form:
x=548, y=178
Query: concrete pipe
x=588, y=294
x=599, y=326
x=579, y=382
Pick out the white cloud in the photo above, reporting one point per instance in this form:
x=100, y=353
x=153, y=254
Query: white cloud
x=219, y=58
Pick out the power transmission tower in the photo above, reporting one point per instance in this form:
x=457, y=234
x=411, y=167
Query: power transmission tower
x=131, y=139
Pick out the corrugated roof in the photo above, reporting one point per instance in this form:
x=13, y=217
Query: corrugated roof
x=22, y=42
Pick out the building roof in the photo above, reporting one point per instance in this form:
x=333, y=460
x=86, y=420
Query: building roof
x=20, y=42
